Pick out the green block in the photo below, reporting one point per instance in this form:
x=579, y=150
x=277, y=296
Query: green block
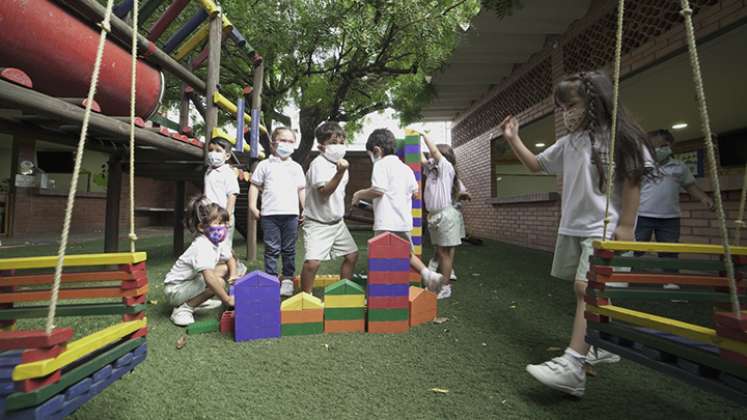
x=410, y=158
x=302, y=329
x=207, y=326
x=388, y=315
x=21, y=400
x=412, y=140
x=85, y=309
x=399, y=144
x=647, y=263
x=661, y=294
x=344, y=287
x=344, y=314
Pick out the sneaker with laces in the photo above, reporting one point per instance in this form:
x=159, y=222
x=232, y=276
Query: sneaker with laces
x=445, y=292
x=208, y=305
x=286, y=288
x=598, y=356
x=183, y=315
x=432, y=280
x=561, y=374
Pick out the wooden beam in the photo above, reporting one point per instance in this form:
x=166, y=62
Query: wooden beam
x=113, y=196
x=213, y=76
x=179, y=218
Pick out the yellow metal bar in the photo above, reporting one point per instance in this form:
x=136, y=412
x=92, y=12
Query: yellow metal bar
x=417, y=231
x=76, y=350
x=210, y=7
x=667, y=247
x=73, y=260
x=217, y=133
x=223, y=103
x=673, y=326
x=192, y=42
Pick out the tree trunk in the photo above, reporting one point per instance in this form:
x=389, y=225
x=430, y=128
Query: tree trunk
x=309, y=119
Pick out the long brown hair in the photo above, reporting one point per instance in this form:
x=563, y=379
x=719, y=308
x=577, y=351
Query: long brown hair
x=595, y=88
x=201, y=212
x=448, y=153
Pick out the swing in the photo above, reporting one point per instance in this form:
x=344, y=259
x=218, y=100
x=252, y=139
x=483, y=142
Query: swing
x=714, y=359
x=43, y=374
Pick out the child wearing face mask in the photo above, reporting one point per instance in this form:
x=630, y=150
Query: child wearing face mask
x=198, y=274
x=581, y=158
x=325, y=234
x=393, y=186
x=659, y=214
x=283, y=185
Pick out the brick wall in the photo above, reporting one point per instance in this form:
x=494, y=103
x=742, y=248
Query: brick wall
x=534, y=224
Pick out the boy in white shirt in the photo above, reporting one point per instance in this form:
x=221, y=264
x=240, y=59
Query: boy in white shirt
x=283, y=185
x=325, y=234
x=393, y=185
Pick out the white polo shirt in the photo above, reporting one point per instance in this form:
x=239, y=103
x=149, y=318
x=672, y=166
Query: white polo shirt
x=221, y=182
x=319, y=207
x=280, y=181
x=439, y=181
x=200, y=256
x=660, y=197
x=393, y=210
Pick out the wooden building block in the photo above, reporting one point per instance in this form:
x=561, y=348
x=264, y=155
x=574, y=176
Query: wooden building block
x=423, y=306
x=389, y=277
x=302, y=329
x=227, y=320
x=304, y=316
x=23, y=263
x=388, y=302
x=388, y=327
x=344, y=314
x=342, y=326
x=28, y=385
x=345, y=301
x=388, y=245
x=376, y=315
x=343, y=287
x=301, y=301
x=34, y=339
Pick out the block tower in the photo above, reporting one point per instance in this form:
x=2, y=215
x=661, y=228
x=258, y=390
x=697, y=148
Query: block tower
x=257, y=312
x=408, y=150
x=302, y=314
x=344, y=307
x=388, y=284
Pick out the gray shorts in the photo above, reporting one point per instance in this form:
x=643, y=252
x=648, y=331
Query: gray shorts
x=571, y=259
x=178, y=293
x=446, y=227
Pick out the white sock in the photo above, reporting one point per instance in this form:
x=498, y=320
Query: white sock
x=425, y=272
x=575, y=357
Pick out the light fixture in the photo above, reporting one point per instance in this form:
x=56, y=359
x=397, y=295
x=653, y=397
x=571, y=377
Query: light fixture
x=539, y=144
x=679, y=126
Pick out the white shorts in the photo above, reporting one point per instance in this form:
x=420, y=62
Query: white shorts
x=571, y=259
x=446, y=227
x=178, y=293
x=324, y=242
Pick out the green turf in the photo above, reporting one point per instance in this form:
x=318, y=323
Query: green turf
x=506, y=311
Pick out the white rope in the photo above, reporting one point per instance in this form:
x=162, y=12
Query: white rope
x=133, y=79
x=105, y=28
x=710, y=149
x=740, y=219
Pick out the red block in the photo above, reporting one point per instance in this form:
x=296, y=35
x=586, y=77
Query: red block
x=132, y=268
x=729, y=320
x=227, y=322
x=388, y=245
x=382, y=302
x=136, y=283
x=142, y=332
x=389, y=327
x=133, y=317
x=388, y=277
x=596, y=318
x=34, y=355
x=591, y=300
x=134, y=300
x=604, y=253
x=34, y=339
x=733, y=356
x=28, y=385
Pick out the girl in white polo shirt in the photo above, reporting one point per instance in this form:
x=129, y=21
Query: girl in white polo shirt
x=283, y=185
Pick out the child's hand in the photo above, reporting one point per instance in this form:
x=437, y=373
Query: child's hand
x=255, y=214
x=231, y=302
x=232, y=279
x=300, y=219
x=623, y=233
x=356, y=198
x=510, y=128
x=342, y=165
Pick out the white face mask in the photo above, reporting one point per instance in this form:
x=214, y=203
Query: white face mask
x=373, y=157
x=216, y=159
x=334, y=152
x=573, y=117
x=284, y=149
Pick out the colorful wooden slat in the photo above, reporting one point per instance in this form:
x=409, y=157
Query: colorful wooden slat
x=95, y=276
x=652, y=263
x=23, y=263
x=302, y=317
x=182, y=33
x=80, y=293
x=656, y=294
x=343, y=326
x=344, y=314
x=389, y=327
x=76, y=350
x=345, y=301
x=389, y=277
x=34, y=339
x=667, y=247
x=399, y=314
x=343, y=287
x=388, y=302
x=644, y=278
x=302, y=329
x=171, y=13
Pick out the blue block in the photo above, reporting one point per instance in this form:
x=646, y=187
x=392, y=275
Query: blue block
x=418, y=176
x=7, y=388
x=389, y=264
x=417, y=222
x=102, y=374
x=185, y=30
x=123, y=361
x=417, y=204
x=417, y=240
x=78, y=389
x=10, y=358
x=6, y=372
x=388, y=289
x=73, y=404
x=143, y=349
x=47, y=410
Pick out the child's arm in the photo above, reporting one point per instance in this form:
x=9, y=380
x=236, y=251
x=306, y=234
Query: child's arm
x=231, y=263
x=432, y=149
x=367, y=194
x=331, y=185
x=216, y=284
x=631, y=198
x=696, y=192
x=253, y=194
x=231, y=205
x=510, y=127
x=302, y=200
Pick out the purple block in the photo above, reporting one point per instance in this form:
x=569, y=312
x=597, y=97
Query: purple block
x=417, y=222
x=10, y=358
x=417, y=204
x=78, y=389
x=418, y=176
x=412, y=149
x=6, y=388
x=257, y=313
x=50, y=409
x=388, y=289
x=6, y=372
x=417, y=240
x=388, y=264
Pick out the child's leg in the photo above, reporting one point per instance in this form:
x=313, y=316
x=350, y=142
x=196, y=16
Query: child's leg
x=221, y=272
x=271, y=233
x=445, y=261
x=289, y=235
x=348, y=265
x=308, y=273
x=578, y=335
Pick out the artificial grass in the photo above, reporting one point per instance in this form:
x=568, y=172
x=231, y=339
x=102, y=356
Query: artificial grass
x=506, y=311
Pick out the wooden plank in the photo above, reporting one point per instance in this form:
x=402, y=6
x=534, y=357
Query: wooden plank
x=78, y=293
x=88, y=276
x=212, y=79
x=23, y=263
x=87, y=309
x=656, y=294
x=647, y=263
x=648, y=278
x=34, y=339
x=667, y=247
x=76, y=350
x=19, y=400
x=691, y=331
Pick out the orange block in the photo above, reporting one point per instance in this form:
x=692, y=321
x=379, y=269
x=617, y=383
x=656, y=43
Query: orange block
x=302, y=317
x=389, y=327
x=82, y=293
x=354, y=325
x=423, y=306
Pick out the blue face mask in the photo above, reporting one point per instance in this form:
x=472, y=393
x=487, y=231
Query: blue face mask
x=216, y=234
x=284, y=150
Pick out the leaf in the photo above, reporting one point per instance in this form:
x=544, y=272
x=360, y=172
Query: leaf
x=440, y=320
x=552, y=348
x=440, y=390
x=181, y=342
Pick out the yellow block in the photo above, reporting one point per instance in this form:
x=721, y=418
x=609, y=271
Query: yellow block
x=73, y=260
x=218, y=133
x=667, y=247
x=76, y=350
x=210, y=7
x=345, y=301
x=660, y=323
x=417, y=249
x=300, y=302
x=417, y=212
x=417, y=231
x=223, y=103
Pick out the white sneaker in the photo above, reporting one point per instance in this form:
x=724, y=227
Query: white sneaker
x=560, y=374
x=240, y=269
x=671, y=286
x=433, y=264
x=445, y=292
x=432, y=280
x=208, y=305
x=597, y=356
x=183, y=315
x=453, y=275
x=286, y=288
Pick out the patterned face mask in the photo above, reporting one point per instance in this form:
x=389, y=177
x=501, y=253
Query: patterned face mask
x=216, y=234
x=573, y=117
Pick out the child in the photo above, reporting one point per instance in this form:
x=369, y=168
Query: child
x=221, y=188
x=283, y=188
x=445, y=224
x=325, y=234
x=393, y=186
x=464, y=195
x=197, y=275
x=581, y=159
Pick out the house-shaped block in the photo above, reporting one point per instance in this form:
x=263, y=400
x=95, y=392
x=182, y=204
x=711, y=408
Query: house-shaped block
x=344, y=307
x=423, y=307
x=257, y=312
x=302, y=314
